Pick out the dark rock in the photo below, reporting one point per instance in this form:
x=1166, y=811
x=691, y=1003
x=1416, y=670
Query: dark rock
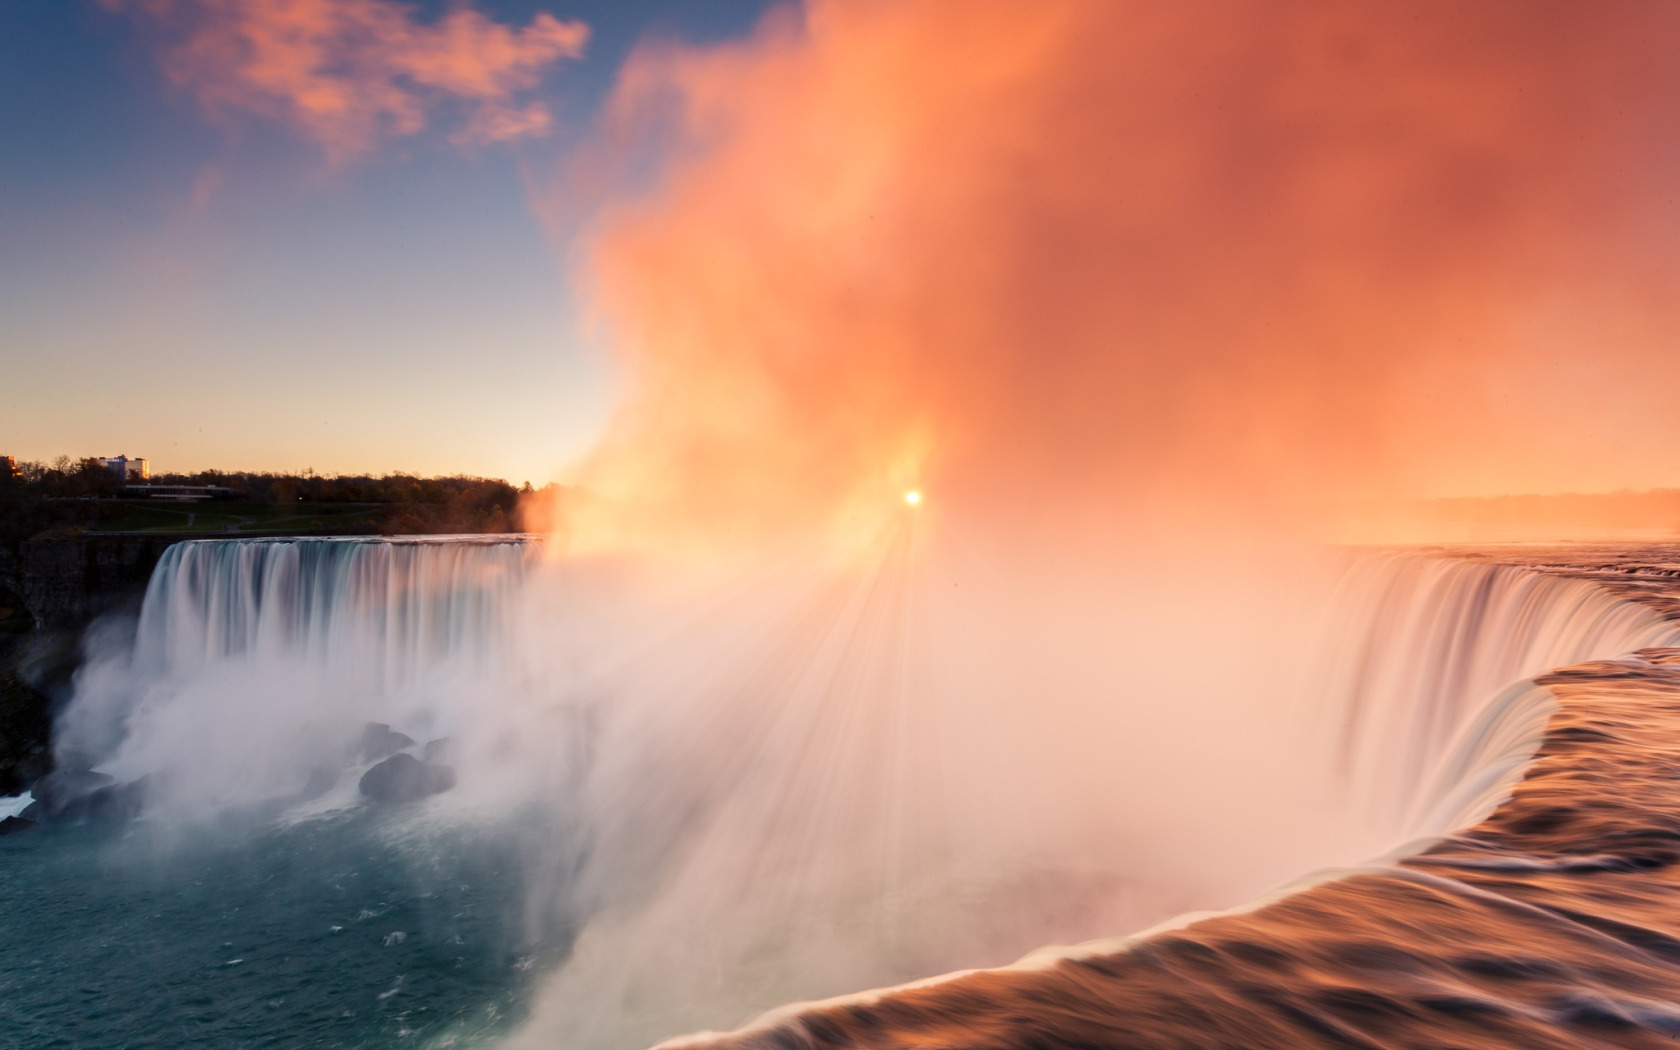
x=80, y=794
x=115, y=802
x=66, y=580
x=60, y=791
x=404, y=778
x=13, y=825
x=25, y=732
x=439, y=750
x=322, y=779
x=379, y=740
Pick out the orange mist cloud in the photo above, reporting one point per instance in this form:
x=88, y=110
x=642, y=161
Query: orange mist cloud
x=346, y=72
x=1108, y=258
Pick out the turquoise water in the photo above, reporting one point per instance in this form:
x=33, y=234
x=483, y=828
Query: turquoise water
x=351, y=930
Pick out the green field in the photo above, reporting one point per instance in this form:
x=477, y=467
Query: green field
x=154, y=516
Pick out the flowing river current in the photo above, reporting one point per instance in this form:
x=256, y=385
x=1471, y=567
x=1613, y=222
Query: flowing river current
x=613, y=837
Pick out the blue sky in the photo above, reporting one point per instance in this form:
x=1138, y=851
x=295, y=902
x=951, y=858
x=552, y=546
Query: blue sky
x=211, y=290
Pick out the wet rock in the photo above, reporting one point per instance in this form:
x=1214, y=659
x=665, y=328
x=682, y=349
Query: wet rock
x=116, y=802
x=13, y=825
x=63, y=790
x=81, y=794
x=380, y=740
x=440, y=750
x=25, y=731
x=322, y=779
x=404, y=778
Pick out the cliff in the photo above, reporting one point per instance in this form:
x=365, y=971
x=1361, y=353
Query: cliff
x=65, y=580
x=51, y=588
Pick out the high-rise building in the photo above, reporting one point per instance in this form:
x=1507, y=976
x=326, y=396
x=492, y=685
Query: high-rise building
x=125, y=468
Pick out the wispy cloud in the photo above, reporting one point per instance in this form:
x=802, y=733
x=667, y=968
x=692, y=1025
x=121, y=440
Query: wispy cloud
x=349, y=73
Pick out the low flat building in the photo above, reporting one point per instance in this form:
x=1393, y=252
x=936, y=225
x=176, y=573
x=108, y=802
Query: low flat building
x=180, y=493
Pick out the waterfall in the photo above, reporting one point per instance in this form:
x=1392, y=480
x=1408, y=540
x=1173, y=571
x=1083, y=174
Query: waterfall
x=852, y=777
x=1428, y=654
x=1425, y=665
x=332, y=631
x=390, y=608
x=256, y=662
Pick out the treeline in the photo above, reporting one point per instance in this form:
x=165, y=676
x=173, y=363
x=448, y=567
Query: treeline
x=417, y=505
x=36, y=498
x=64, y=478
x=81, y=494
x=353, y=488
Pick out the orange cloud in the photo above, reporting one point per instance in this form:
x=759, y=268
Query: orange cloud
x=1070, y=259
x=346, y=72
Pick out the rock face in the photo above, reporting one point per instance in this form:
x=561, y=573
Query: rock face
x=63, y=790
x=13, y=825
x=439, y=750
x=65, y=581
x=380, y=740
x=25, y=732
x=50, y=588
x=80, y=794
x=404, y=778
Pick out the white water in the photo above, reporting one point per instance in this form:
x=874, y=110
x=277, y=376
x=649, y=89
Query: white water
x=256, y=663
x=1422, y=648
x=833, y=778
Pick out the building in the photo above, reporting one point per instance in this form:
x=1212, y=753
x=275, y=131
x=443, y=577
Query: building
x=126, y=468
x=180, y=493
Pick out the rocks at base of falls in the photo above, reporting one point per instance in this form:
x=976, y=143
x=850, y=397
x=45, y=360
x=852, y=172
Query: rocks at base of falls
x=398, y=775
x=440, y=751
x=381, y=741
x=404, y=778
x=13, y=825
x=68, y=796
x=81, y=794
x=78, y=794
x=61, y=790
x=25, y=731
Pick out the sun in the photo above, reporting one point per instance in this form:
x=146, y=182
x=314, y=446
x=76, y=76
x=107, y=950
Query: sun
x=912, y=497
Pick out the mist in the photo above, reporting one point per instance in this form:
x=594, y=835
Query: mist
x=1143, y=303
x=1137, y=301
x=1231, y=265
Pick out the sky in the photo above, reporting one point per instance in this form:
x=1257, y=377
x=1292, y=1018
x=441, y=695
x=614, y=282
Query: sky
x=732, y=264
x=218, y=288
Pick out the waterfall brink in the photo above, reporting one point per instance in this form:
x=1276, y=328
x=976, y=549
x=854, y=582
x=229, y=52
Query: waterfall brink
x=392, y=608
x=1431, y=712
x=1422, y=652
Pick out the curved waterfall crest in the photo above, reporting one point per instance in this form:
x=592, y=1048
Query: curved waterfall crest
x=1425, y=650
x=1430, y=679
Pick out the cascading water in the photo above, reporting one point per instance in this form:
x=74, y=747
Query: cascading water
x=254, y=661
x=1433, y=721
x=1546, y=924
x=387, y=608
x=1423, y=647
x=845, y=778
